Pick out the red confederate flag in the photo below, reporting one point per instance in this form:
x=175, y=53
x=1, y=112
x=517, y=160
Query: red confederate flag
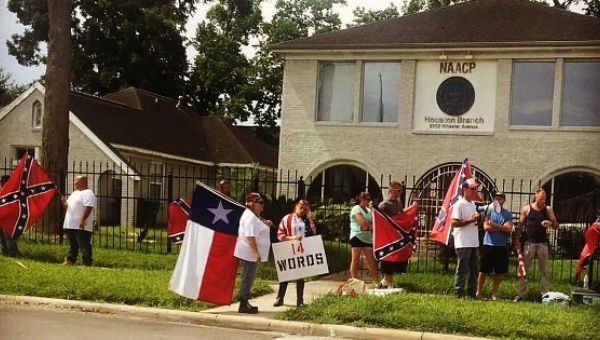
x=441, y=227
x=206, y=267
x=394, y=237
x=592, y=236
x=178, y=212
x=24, y=197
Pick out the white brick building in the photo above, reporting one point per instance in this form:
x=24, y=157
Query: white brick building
x=512, y=85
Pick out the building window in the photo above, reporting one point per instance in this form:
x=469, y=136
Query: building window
x=581, y=94
x=157, y=174
x=532, y=93
x=336, y=92
x=36, y=115
x=22, y=150
x=381, y=87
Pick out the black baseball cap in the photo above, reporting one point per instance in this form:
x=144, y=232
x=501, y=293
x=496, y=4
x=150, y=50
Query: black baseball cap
x=498, y=193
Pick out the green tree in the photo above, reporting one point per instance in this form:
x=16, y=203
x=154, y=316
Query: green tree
x=8, y=90
x=221, y=79
x=116, y=43
x=293, y=19
x=415, y=6
x=363, y=17
x=591, y=7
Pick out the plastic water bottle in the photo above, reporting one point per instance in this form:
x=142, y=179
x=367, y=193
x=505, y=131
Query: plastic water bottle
x=586, y=281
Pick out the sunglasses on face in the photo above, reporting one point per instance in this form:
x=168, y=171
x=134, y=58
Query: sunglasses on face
x=259, y=201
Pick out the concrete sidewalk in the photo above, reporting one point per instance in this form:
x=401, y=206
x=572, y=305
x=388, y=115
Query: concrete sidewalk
x=312, y=290
x=228, y=317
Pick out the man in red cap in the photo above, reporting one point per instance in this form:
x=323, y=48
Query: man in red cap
x=252, y=247
x=466, y=239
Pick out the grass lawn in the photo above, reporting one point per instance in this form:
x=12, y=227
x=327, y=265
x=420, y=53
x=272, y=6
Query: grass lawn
x=139, y=278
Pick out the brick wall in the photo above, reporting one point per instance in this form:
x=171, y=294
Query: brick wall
x=533, y=153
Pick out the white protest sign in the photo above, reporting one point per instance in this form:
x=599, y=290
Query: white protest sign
x=299, y=259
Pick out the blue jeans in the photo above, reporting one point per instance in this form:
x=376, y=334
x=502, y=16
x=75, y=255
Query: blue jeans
x=466, y=270
x=248, y=274
x=79, y=240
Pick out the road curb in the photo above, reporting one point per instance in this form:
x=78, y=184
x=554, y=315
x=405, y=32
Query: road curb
x=246, y=322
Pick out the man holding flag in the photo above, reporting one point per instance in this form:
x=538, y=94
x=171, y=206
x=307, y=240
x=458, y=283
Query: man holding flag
x=466, y=239
x=441, y=227
x=252, y=246
x=393, y=208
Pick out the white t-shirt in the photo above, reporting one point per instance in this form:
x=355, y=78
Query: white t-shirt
x=467, y=236
x=77, y=202
x=251, y=225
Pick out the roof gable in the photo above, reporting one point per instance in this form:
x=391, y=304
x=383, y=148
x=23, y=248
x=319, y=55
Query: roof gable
x=472, y=23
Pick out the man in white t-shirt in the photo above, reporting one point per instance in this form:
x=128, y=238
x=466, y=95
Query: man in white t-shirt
x=252, y=246
x=78, y=221
x=466, y=239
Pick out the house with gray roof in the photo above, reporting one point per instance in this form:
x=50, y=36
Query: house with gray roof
x=139, y=135
x=513, y=85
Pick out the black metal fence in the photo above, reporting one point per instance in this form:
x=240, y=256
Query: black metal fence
x=132, y=201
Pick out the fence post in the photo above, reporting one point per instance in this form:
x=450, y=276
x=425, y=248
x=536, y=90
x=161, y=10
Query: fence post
x=169, y=200
x=590, y=273
x=62, y=175
x=300, y=188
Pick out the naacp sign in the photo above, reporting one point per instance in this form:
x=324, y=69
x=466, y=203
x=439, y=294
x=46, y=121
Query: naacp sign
x=299, y=259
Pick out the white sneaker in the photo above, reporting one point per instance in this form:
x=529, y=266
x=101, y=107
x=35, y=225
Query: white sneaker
x=382, y=285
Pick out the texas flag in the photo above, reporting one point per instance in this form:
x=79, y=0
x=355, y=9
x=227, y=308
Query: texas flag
x=206, y=267
x=25, y=196
x=592, y=236
x=441, y=227
x=394, y=237
x=178, y=212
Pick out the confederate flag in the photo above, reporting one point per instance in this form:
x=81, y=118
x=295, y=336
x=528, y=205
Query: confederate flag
x=178, y=212
x=25, y=196
x=441, y=227
x=206, y=267
x=394, y=237
x=592, y=236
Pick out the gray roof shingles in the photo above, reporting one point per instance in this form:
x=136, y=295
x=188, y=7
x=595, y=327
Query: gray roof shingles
x=144, y=120
x=472, y=23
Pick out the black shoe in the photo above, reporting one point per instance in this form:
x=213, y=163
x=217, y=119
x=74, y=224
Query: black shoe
x=247, y=308
x=278, y=302
x=517, y=298
x=300, y=302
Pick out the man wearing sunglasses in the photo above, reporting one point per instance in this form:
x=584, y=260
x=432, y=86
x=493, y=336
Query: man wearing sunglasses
x=252, y=247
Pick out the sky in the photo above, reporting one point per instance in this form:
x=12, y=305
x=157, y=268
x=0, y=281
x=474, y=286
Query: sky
x=22, y=75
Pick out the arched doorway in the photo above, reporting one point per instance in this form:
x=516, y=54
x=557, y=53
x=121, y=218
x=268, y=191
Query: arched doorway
x=574, y=196
x=109, y=199
x=430, y=190
x=341, y=183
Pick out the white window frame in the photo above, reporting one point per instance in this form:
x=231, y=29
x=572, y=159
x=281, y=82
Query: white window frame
x=156, y=178
x=37, y=115
x=353, y=117
x=362, y=69
x=562, y=83
x=512, y=89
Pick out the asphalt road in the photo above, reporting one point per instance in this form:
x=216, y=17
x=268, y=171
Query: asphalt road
x=33, y=323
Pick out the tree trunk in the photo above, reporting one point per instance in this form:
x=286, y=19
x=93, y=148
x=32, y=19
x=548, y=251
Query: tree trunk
x=55, y=136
